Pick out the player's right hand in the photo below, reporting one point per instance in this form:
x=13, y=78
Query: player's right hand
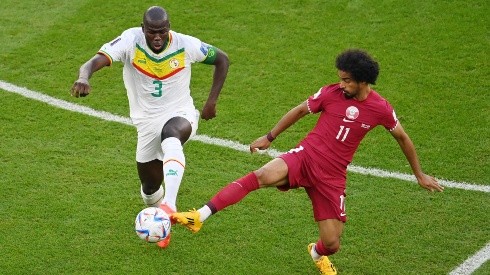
x=430, y=183
x=81, y=87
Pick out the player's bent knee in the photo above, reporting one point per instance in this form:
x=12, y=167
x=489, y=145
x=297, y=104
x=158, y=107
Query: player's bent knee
x=274, y=173
x=177, y=127
x=263, y=177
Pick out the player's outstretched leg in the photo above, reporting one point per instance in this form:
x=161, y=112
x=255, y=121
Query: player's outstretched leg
x=323, y=263
x=228, y=195
x=190, y=219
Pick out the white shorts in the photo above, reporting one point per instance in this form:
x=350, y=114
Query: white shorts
x=150, y=131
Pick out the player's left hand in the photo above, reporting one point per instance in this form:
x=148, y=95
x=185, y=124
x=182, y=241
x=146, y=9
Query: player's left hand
x=208, y=111
x=261, y=143
x=430, y=183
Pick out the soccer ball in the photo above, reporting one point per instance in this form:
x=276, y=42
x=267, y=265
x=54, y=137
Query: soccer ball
x=152, y=224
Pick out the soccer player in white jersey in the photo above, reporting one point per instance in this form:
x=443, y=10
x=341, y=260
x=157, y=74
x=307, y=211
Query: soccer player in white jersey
x=157, y=72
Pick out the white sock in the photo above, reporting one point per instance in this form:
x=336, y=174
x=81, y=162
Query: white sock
x=153, y=199
x=204, y=213
x=314, y=255
x=173, y=169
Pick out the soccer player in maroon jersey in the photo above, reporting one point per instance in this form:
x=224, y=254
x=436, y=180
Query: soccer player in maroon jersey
x=348, y=111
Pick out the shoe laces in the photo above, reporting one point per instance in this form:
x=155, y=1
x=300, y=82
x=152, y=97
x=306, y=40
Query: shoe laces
x=325, y=266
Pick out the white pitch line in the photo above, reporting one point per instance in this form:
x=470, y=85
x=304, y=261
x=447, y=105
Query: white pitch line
x=470, y=265
x=474, y=262
x=218, y=141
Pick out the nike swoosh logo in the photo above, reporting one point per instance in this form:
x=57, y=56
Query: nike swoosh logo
x=347, y=120
x=343, y=214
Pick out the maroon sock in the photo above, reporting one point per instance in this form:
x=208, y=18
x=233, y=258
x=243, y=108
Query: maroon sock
x=322, y=250
x=234, y=192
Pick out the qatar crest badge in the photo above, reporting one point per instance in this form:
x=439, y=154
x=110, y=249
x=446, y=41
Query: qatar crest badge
x=352, y=112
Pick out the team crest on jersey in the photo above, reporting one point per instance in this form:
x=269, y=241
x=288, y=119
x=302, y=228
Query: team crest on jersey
x=174, y=63
x=352, y=112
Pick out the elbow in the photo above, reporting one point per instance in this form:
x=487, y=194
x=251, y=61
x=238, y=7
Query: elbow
x=225, y=62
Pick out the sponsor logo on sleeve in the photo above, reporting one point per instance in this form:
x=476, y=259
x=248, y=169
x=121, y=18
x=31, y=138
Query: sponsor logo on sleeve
x=115, y=41
x=204, y=48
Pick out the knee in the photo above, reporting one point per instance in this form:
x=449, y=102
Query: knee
x=177, y=127
x=262, y=176
x=168, y=132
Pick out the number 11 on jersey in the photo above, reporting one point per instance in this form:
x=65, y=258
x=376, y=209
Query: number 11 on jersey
x=341, y=131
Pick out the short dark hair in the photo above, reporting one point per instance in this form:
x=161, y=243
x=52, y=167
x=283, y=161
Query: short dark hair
x=359, y=64
x=155, y=13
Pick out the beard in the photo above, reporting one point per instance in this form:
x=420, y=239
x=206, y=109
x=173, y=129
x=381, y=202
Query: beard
x=347, y=95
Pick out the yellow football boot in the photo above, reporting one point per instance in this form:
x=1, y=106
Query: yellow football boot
x=189, y=219
x=323, y=264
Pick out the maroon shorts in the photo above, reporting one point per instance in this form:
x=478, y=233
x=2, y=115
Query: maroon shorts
x=328, y=200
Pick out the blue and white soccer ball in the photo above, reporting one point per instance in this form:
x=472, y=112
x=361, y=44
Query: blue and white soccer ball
x=152, y=224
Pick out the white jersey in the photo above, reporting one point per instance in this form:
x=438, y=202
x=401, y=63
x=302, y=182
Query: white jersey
x=156, y=84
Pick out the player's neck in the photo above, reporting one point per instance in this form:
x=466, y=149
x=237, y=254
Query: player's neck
x=363, y=93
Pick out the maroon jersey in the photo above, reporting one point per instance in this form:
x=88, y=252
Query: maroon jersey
x=342, y=125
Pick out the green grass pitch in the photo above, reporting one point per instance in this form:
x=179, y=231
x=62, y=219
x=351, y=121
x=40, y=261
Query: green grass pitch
x=68, y=182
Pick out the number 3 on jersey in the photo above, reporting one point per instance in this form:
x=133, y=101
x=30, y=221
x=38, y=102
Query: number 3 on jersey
x=158, y=88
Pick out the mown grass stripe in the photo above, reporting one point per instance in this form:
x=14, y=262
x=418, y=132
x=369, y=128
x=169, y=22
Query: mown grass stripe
x=218, y=141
